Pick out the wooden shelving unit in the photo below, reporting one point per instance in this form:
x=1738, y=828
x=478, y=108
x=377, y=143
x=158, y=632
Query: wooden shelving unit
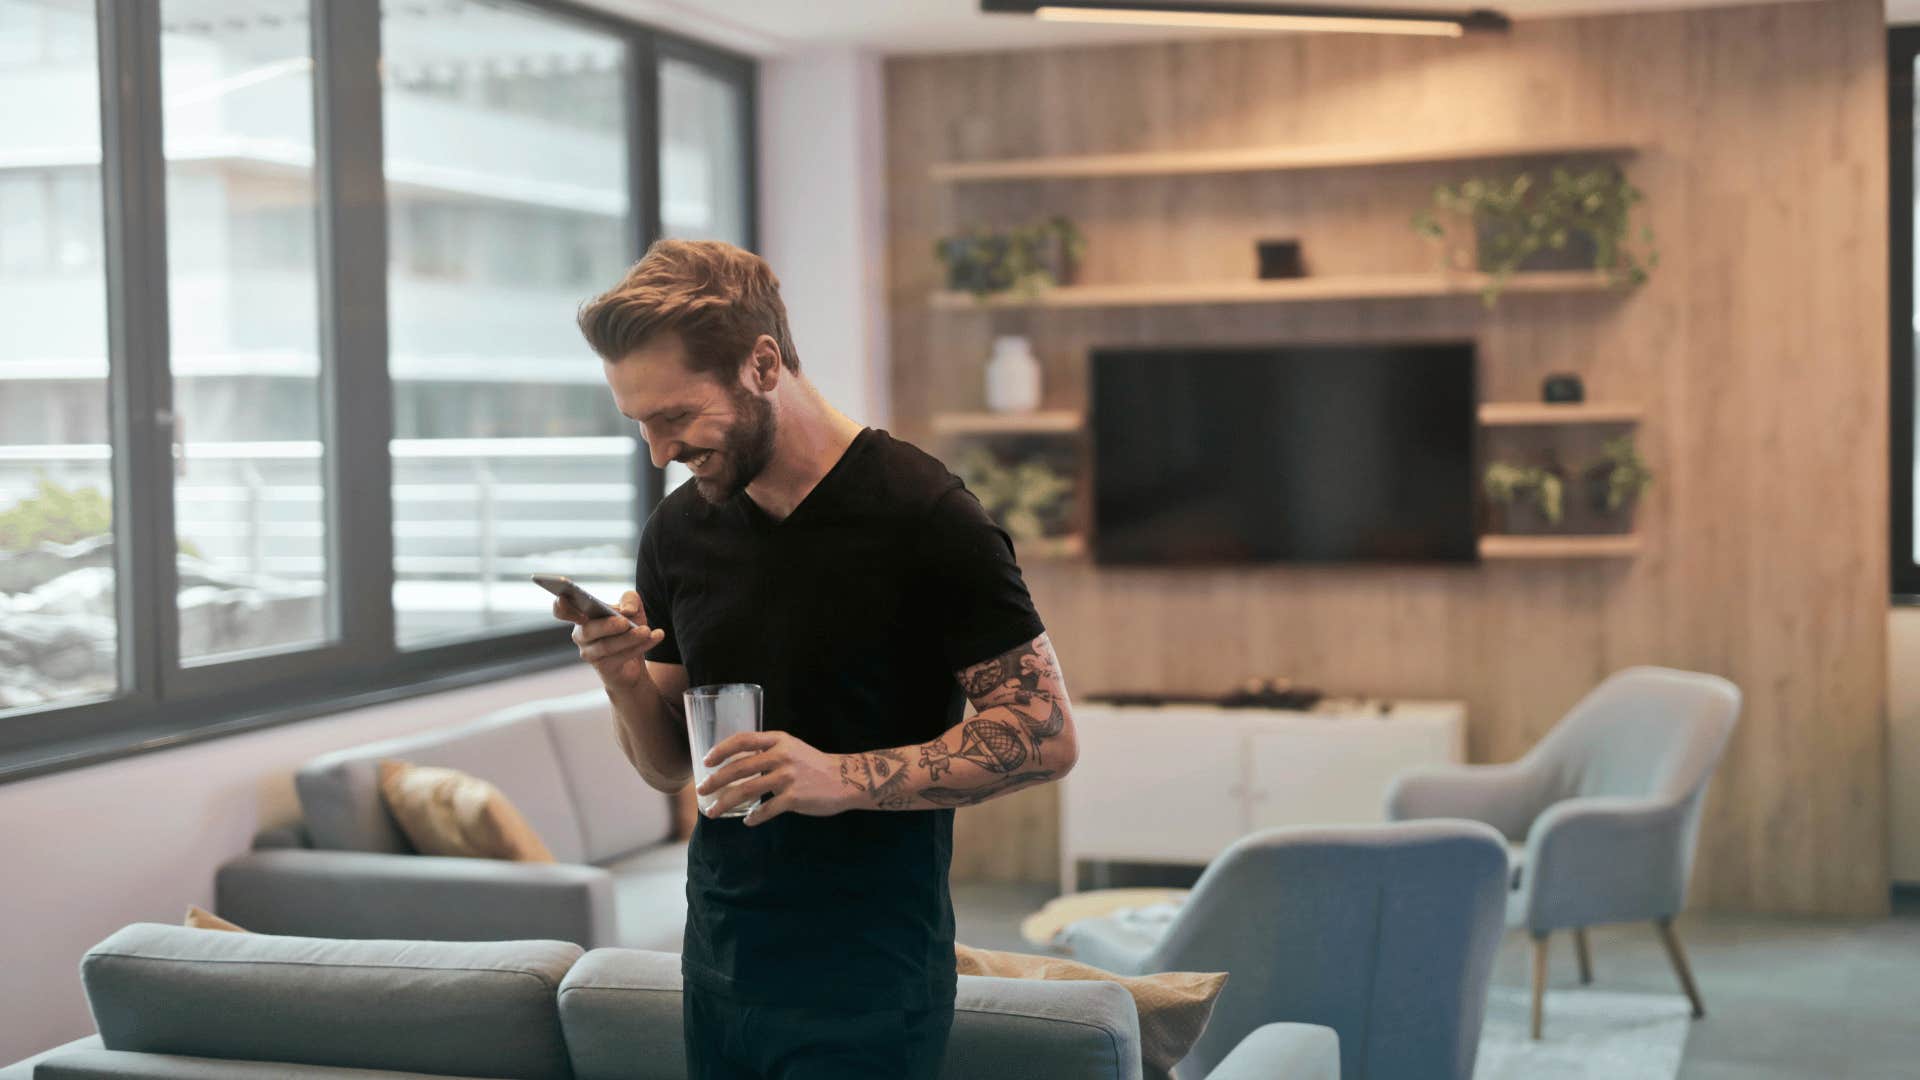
x=1622, y=546
x=1265, y=159
x=1292, y=290
x=1046, y=422
x=1543, y=414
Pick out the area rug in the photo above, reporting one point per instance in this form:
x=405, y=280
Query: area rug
x=1588, y=1033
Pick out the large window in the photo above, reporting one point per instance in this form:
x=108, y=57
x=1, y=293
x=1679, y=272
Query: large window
x=291, y=396
x=507, y=202
x=249, y=506
x=58, y=640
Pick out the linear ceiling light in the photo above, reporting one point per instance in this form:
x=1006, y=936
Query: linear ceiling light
x=1268, y=17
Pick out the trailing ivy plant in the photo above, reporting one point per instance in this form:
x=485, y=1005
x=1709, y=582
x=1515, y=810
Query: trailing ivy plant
x=1522, y=215
x=1627, y=473
x=1505, y=484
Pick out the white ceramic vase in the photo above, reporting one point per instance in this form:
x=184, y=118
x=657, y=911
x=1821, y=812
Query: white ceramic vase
x=1013, y=376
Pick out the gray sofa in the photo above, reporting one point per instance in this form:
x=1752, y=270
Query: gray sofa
x=347, y=871
x=175, y=1003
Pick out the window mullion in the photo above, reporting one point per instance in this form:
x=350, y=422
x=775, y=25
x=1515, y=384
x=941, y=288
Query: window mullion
x=352, y=240
x=132, y=170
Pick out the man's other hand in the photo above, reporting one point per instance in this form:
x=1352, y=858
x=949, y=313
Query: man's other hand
x=793, y=775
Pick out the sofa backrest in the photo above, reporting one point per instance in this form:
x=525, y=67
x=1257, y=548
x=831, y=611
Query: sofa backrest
x=467, y=1008
x=617, y=811
x=621, y=1011
x=558, y=761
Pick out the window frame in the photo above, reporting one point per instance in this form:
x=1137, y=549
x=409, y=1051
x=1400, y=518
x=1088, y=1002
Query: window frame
x=1903, y=50
x=160, y=703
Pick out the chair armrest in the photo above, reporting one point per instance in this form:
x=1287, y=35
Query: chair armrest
x=365, y=894
x=1283, y=1052
x=1507, y=796
x=1605, y=859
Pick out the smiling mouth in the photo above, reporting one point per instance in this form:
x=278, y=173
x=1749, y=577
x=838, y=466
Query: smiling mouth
x=696, y=462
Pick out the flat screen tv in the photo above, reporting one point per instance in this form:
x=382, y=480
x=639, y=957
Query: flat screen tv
x=1295, y=453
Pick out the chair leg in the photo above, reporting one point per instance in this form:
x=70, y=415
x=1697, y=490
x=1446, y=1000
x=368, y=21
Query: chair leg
x=1679, y=958
x=1584, y=953
x=1539, y=979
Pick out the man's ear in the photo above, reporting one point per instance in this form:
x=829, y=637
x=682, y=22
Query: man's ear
x=763, y=366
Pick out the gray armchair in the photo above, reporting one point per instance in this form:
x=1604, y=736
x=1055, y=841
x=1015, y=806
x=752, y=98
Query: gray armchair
x=1602, y=815
x=1384, y=933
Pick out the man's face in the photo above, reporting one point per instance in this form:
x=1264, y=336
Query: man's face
x=721, y=430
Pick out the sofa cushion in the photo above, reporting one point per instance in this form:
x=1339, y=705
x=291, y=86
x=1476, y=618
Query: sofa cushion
x=618, y=812
x=448, y=812
x=621, y=1012
x=340, y=791
x=650, y=897
x=478, y=1008
x=1173, y=1005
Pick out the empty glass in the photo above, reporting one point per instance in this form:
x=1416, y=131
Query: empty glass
x=713, y=714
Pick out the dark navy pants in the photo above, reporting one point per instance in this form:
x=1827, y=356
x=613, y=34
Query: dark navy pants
x=731, y=1041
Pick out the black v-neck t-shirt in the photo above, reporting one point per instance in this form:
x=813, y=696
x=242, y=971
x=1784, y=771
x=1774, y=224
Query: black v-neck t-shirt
x=854, y=613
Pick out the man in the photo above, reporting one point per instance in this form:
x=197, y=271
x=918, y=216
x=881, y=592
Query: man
x=856, y=580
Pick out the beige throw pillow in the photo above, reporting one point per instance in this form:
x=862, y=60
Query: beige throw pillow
x=447, y=812
x=1174, y=1005
x=201, y=919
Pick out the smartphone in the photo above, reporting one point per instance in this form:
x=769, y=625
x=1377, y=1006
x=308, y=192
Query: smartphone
x=583, y=601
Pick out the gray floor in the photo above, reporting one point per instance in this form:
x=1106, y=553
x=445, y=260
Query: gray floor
x=1801, y=998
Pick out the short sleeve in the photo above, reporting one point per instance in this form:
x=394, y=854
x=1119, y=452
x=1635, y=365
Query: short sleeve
x=978, y=602
x=655, y=593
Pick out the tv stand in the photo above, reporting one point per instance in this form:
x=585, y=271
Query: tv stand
x=1177, y=783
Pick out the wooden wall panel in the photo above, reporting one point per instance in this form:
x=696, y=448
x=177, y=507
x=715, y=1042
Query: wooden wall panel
x=1759, y=351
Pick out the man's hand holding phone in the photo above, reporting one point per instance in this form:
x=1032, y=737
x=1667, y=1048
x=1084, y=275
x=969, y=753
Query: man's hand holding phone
x=615, y=644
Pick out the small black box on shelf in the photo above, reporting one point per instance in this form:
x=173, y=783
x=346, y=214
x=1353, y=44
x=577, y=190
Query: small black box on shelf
x=1280, y=259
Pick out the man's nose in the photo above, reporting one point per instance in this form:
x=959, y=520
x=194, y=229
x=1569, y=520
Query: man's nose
x=663, y=451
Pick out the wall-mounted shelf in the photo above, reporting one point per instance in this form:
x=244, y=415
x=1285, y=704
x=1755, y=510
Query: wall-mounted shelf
x=1265, y=159
x=1541, y=414
x=1046, y=422
x=1290, y=290
x=1622, y=546
x=1053, y=548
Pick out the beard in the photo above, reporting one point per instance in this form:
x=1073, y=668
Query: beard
x=745, y=451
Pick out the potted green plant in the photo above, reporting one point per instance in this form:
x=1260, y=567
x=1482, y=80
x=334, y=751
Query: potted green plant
x=1565, y=219
x=1024, y=259
x=1028, y=498
x=1614, y=483
x=1531, y=498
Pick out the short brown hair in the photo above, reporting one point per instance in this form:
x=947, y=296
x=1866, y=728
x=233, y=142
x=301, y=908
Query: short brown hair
x=717, y=297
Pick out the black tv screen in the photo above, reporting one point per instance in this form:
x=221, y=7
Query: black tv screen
x=1315, y=453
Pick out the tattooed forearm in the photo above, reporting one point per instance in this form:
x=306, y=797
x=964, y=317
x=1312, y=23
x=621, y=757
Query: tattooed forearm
x=1022, y=715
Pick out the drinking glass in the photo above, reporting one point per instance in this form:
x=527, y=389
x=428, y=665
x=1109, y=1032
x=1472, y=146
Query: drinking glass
x=714, y=713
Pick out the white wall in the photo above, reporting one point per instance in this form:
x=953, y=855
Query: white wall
x=85, y=852
x=1903, y=742
x=823, y=219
